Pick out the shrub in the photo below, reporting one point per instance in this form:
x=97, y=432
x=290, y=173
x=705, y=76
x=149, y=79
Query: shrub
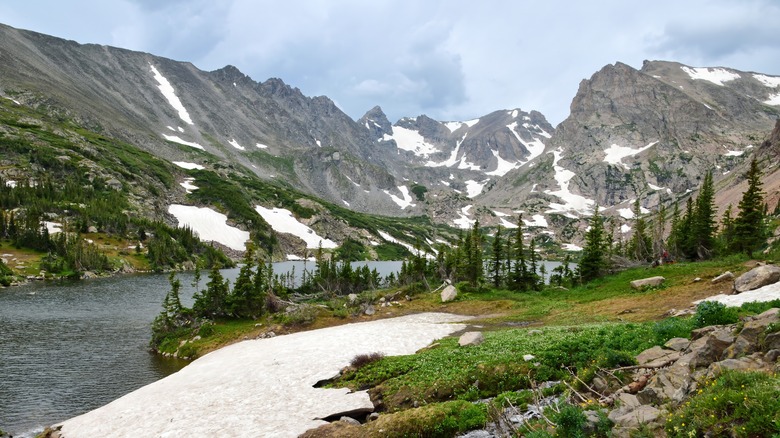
x=672, y=328
x=714, y=313
x=362, y=360
x=571, y=421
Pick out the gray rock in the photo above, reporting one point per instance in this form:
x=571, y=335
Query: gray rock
x=757, y=277
x=677, y=344
x=369, y=310
x=747, y=339
x=641, y=415
x=647, y=282
x=711, y=347
x=92, y=229
x=657, y=356
x=723, y=277
x=449, y=293
x=349, y=420
x=372, y=416
x=471, y=338
x=351, y=298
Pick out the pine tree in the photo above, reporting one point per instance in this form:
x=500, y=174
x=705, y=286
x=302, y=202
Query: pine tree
x=240, y=300
x=496, y=264
x=213, y=301
x=749, y=229
x=474, y=272
x=519, y=268
x=727, y=231
x=640, y=242
x=592, y=262
x=703, y=224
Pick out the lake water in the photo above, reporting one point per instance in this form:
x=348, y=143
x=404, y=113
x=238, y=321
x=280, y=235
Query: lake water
x=68, y=348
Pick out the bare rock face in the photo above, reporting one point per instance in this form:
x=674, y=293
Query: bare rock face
x=757, y=277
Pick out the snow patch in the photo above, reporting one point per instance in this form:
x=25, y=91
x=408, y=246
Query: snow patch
x=733, y=153
x=715, y=75
x=503, y=167
x=571, y=247
x=177, y=139
x=10, y=183
x=572, y=202
x=453, y=126
x=474, y=188
x=170, y=95
x=506, y=224
x=625, y=228
x=209, y=225
x=188, y=185
x=188, y=166
x=471, y=123
x=411, y=248
x=535, y=147
x=653, y=186
x=537, y=220
x=53, y=227
x=404, y=202
x=762, y=294
x=615, y=153
x=261, y=146
x=274, y=377
x=463, y=222
x=773, y=99
x=769, y=81
x=410, y=140
x=626, y=213
x=235, y=144
x=283, y=221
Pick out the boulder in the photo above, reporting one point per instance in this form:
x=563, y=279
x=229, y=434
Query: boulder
x=349, y=420
x=711, y=347
x=657, y=356
x=449, y=293
x=471, y=338
x=647, y=282
x=754, y=362
x=369, y=310
x=747, y=340
x=677, y=344
x=668, y=384
x=642, y=414
x=352, y=298
x=723, y=277
x=757, y=277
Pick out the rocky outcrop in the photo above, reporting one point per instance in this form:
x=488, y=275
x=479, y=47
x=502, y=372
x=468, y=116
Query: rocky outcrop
x=471, y=338
x=757, y=277
x=677, y=368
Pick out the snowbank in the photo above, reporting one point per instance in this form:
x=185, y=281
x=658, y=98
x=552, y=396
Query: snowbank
x=762, y=294
x=260, y=387
x=209, y=225
x=283, y=221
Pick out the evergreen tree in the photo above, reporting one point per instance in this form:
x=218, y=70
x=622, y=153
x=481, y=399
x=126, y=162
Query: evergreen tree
x=640, y=245
x=749, y=229
x=519, y=268
x=703, y=224
x=213, y=301
x=172, y=308
x=592, y=262
x=240, y=300
x=496, y=264
x=727, y=231
x=474, y=268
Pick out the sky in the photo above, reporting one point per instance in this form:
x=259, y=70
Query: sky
x=452, y=60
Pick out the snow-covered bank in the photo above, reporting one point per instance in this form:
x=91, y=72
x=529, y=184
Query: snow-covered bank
x=762, y=294
x=261, y=387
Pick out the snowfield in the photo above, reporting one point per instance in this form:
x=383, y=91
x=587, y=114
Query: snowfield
x=762, y=294
x=615, y=153
x=188, y=166
x=177, y=139
x=404, y=202
x=235, y=144
x=715, y=75
x=209, y=225
x=410, y=140
x=474, y=188
x=283, y=221
x=170, y=95
x=260, y=387
x=573, y=202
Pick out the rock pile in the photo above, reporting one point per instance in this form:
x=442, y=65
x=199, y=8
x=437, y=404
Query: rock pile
x=675, y=371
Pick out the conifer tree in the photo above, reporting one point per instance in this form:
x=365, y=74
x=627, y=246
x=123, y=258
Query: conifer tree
x=640, y=246
x=592, y=260
x=519, y=267
x=749, y=230
x=727, y=231
x=496, y=264
x=213, y=301
x=703, y=224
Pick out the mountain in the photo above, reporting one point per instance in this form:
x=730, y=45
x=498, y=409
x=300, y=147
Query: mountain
x=647, y=134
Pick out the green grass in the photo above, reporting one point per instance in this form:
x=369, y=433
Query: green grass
x=738, y=404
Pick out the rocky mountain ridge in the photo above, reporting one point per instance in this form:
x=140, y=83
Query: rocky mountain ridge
x=647, y=134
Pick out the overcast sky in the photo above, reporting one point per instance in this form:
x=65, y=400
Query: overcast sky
x=449, y=59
